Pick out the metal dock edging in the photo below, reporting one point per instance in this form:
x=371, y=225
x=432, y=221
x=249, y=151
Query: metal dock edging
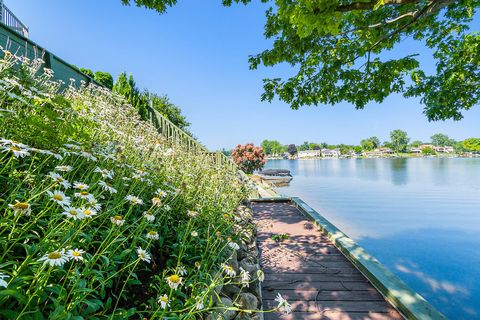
x=409, y=303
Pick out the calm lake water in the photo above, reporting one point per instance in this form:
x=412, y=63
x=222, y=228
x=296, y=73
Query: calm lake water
x=419, y=217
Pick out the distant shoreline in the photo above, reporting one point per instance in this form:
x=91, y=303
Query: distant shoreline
x=394, y=156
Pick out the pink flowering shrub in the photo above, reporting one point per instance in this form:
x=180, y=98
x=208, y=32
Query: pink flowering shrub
x=248, y=157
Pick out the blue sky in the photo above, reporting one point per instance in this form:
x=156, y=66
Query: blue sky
x=197, y=54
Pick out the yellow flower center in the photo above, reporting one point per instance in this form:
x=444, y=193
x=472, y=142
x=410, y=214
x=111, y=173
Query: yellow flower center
x=84, y=193
x=174, y=278
x=73, y=212
x=118, y=217
x=87, y=212
x=14, y=148
x=76, y=254
x=54, y=255
x=164, y=299
x=57, y=197
x=152, y=233
x=21, y=205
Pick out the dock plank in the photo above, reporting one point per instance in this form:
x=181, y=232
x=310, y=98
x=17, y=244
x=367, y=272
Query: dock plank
x=310, y=272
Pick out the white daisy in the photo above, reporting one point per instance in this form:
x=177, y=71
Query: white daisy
x=93, y=203
x=17, y=151
x=107, y=187
x=76, y=254
x=74, y=213
x=105, y=173
x=283, y=304
x=55, y=258
x=199, y=305
x=3, y=283
x=143, y=255
x=84, y=195
x=117, y=220
x=88, y=156
x=233, y=245
x=6, y=142
x=245, y=277
x=174, y=281
x=59, y=197
x=88, y=212
x=72, y=146
x=163, y=301
x=182, y=271
x=150, y=217
x=21, y=208
x=64, y=168
x=134, y=200
x=80, y=186
x=161, y=193
x=59, y=179
x=229, y=271
x=157, y=202
x=153, y=235
x=192, y=214
x=194, y=234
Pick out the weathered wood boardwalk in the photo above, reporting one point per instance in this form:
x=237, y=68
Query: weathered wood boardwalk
x=310, y=272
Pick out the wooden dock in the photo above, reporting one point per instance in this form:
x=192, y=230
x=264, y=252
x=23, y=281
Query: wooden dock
x=310, y=272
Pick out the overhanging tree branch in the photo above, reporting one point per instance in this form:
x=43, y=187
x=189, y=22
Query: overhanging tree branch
x=370, y=5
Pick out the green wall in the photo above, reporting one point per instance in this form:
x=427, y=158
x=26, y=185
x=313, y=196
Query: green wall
x=21, y=46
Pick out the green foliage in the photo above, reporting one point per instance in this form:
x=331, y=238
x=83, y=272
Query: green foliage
x=133, y=211
x=370, y=143
x=158, y=5
x=88, y=72
x=428, y=151
x=126, y=87
x=472, y=144
x=304, y=146
x=337, y=48
x=104, y=78
x=442, y=140
x=172, y=112
x=399, y=140
x=459, y=147
x=280, y=237
x=416, y=143
x=272, y=147
x=344, y=149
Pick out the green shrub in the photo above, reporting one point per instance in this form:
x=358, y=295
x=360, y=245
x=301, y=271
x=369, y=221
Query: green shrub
x=428, y=151
x=104, y=78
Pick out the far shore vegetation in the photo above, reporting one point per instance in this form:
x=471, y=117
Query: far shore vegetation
x=398, y=145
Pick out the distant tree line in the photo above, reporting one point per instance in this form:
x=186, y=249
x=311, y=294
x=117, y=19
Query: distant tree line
x=399, y=142
x=140, y=99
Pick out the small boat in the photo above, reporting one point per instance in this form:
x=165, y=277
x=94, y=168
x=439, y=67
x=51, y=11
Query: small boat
x=276, y=176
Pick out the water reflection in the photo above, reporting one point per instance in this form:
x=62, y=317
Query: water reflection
x=420, y=217
x=398, y=170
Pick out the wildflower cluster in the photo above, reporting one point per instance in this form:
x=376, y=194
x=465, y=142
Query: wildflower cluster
x=100, y=216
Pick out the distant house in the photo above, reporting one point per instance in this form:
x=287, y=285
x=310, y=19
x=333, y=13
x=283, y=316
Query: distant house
x=378, y=152
x=423, y=146
x=309, y=154
x=327, y=153
x=415, y=150
x=445, y=149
